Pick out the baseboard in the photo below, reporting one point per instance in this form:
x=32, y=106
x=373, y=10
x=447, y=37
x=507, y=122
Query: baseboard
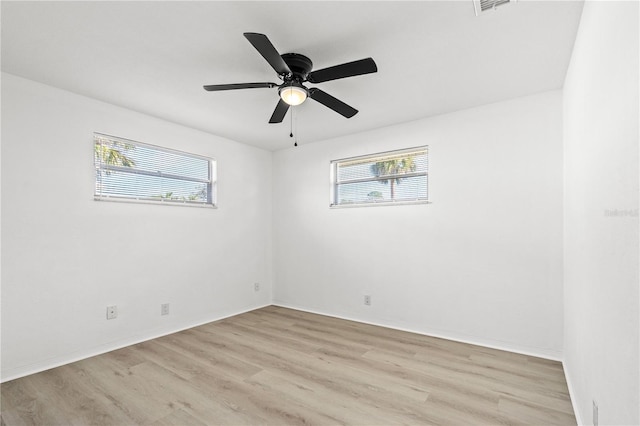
x=572, y=395
x=26, y=370
x=501, y=346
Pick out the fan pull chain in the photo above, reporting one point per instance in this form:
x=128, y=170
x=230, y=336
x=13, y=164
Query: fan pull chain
x=295, y=143
x=296, y=139
x=291, y=123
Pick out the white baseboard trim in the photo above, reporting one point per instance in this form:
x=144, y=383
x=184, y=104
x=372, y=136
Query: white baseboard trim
x=552, y=356
x=26, y=370
x=572, y=395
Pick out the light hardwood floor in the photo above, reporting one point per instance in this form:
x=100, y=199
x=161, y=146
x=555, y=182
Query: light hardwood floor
x=280, y=366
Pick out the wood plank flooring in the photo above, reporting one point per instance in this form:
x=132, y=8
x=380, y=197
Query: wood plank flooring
x=277, y=366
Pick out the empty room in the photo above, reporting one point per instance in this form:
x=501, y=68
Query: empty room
x=320, y=213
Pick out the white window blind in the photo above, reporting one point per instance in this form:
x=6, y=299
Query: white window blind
x=133, y=171
x=384, y=178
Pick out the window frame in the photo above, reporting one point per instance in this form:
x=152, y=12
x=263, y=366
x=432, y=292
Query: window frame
x=211, y=181
x=334, y=204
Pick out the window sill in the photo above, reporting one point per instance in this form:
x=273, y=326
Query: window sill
x=380, y=204
x=155, y=203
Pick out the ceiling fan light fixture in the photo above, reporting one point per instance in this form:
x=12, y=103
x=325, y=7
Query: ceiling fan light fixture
x=293, y=94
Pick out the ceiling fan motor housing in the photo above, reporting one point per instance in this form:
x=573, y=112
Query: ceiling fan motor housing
x=299, y=65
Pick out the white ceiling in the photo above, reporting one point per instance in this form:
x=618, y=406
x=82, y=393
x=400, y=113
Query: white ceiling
x=433, y=57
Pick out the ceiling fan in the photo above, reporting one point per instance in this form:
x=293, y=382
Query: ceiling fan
x=294, y=69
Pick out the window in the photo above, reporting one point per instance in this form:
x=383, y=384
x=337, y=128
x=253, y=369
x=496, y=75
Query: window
x=133, y=171
x=384, y=178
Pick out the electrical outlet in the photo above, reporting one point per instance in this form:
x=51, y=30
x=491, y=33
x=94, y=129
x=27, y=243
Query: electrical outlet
x=256, y=287
x=112, y=312
x=595, y=413
x=164, y=309
x=367, y=300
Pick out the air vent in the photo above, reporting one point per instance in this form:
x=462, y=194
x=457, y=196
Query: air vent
x=487, y=5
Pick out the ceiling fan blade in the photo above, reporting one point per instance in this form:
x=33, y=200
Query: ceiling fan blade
x=329, y=101
x=268, y=52
x=218, y=87
x=279, y=112
x=350, y=69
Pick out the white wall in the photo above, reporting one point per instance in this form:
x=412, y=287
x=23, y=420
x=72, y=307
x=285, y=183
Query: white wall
x=482, y=263
x=601, y=215
x=66, y=257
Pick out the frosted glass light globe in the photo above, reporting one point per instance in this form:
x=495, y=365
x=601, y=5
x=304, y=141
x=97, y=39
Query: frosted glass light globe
x=293, y=95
